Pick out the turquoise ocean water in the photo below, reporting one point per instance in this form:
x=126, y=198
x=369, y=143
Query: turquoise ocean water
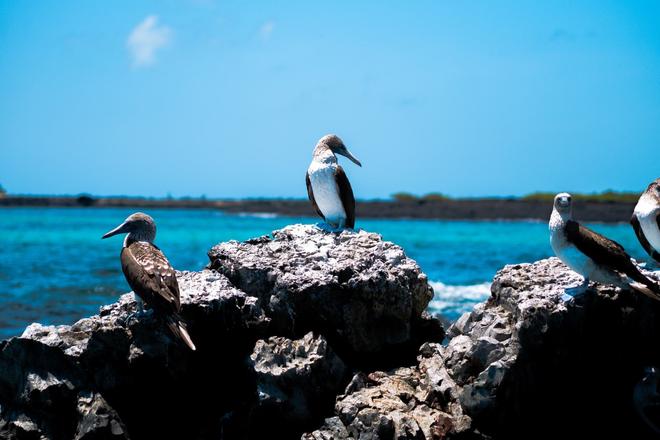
x=55, y=269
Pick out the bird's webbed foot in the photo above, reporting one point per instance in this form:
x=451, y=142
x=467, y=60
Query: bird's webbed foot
x=574, y=292
x=136, y=316
x=327, y=227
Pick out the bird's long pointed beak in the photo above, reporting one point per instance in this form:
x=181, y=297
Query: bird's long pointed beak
x=118, y=230
x=352, y=158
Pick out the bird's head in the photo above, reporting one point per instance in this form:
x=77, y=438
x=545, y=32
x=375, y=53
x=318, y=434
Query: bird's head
x=654, y=189
x=336, y=145
x=138, y=226
x=563, y=203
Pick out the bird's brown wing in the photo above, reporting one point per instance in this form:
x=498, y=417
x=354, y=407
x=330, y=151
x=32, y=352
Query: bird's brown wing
x=634, y=221
x=151, y=276
x=346, y=195
x=310, y=194
x=597, y=247
x=606, y=252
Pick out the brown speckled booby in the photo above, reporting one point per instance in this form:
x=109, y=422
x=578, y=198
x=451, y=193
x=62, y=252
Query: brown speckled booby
x=646, y=220
x=149, y=274
x=594, y=256
x=328, y=187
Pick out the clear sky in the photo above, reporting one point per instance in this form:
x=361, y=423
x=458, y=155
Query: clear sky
x=228, y=98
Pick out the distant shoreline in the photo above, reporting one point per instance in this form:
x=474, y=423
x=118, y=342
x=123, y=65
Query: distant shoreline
x=447, y=209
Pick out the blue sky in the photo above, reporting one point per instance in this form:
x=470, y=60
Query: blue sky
x=228, y=98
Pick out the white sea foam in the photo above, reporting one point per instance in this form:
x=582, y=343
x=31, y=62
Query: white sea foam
x=452, y=300
x=258, y=214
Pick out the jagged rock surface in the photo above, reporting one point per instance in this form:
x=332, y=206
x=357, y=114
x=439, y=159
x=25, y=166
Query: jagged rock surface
x=524, y=364
x=362, y=293
x=416, y=402
x=103, y=377
x=297, y=381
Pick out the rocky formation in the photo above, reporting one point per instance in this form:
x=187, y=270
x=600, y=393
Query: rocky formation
x=296, y=381
x=362, y=293
x=527, y=363
x=322, y=335
x=257, y=369
x=103, y=377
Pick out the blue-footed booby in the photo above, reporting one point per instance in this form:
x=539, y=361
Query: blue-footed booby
x=328, y=187
x=149, y=273
x=646, y=220
x=594, y=256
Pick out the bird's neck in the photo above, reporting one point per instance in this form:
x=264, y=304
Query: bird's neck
x=323, y=154
x=132, y=237
x=558, y=220
x=647, y=205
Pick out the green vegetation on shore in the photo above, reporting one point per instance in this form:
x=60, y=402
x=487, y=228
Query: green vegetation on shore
x=408, y=197
x=607, y=196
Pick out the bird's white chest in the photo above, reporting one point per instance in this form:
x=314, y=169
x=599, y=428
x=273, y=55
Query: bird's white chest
x=646, y=212
x=567, y=252
x=326, y=193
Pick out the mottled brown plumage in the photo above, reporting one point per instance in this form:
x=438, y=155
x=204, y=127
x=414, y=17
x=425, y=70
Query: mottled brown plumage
x=150, y=274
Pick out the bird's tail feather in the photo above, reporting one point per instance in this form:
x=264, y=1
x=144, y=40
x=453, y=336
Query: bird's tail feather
x=644, y=284
x=177, y=327
x=646, y=290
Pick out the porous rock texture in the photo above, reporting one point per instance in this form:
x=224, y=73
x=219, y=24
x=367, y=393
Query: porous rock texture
x=103, y=377
x=296, y=381
x=362, y=293
x=320, y=335
x=530, y=362
x=266, y=361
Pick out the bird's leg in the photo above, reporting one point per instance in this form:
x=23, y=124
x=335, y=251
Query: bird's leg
x=327, y=227
x=572, y=292
x=585, y=284
x=324, y=226
x=138, y=313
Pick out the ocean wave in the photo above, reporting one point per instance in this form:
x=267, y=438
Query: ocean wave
x=258, y=214
x=452, y=301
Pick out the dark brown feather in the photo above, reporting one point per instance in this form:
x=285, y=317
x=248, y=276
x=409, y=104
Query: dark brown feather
x=151, y=276
x=310, y=194
x=634, y=221
x=346, y=196
x=605, y=252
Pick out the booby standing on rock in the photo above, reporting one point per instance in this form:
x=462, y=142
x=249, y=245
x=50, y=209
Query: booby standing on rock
x=592, y=255
x=328, y=187
x=149, y=274
x=646, y=220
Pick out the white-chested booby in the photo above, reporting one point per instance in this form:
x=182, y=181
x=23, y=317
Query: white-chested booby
x=149, y=274
x=595, y=257
x=328, y=187
x=646, y=220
